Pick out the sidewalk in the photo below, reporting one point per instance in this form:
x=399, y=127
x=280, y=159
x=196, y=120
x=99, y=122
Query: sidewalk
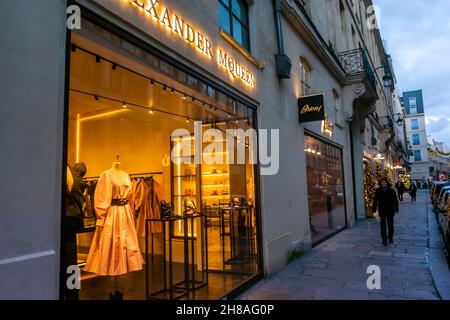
x=336, y=269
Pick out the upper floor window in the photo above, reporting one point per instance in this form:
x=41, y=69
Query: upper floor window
x=417, y=155
x=234, y=20
x=414, y=124
x=305, y=77
x=416, y=139
x=413, y=105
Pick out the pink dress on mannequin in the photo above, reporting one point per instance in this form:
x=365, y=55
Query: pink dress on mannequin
x=115, y=248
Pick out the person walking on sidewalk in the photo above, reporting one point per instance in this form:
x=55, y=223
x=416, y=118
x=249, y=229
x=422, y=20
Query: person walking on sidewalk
x=413, y=192
x=400, y=189
x=386, y=202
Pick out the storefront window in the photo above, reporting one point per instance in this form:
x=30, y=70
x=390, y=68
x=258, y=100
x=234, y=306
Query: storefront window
x=141, y=212
x=326, y=191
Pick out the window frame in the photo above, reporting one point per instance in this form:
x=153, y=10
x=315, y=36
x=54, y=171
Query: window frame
x=416, y=138
x=412, y=106
x=414, y=124
x=232, y=15
x=417, y=158
x=305, y=68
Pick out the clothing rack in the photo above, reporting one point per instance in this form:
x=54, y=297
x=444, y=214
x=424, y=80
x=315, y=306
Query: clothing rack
x=150, y=174
x=136, y=175
x=133, y=175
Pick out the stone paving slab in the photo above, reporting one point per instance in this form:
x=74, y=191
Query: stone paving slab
x=413, y=268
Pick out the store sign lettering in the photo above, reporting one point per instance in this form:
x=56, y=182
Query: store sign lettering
x=201, y=43
x=234, y=68
x=309, y=108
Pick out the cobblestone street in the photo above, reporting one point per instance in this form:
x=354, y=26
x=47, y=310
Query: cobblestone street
x=414, y=267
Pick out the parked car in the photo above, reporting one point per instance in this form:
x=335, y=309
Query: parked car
x=437, y=204
x=437, y=190
x=434, y=184
x=444, y=223
x=442, y=205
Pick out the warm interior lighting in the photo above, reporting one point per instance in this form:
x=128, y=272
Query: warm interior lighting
x=215, y=185
x=78, y=139
x=178, y=153
x=78, y=127
x=102, y=115
x=214, y=174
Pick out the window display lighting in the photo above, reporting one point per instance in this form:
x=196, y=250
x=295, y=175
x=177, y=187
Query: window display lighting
x=126, y=104
x=115, y=65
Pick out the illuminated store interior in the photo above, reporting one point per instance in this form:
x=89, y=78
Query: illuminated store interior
x=195, y=223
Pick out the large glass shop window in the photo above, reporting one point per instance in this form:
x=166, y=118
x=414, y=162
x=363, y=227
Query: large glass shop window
x=152, y=226
x=325, y=188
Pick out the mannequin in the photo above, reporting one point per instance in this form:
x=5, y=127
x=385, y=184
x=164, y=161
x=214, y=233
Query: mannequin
x=115, y=247
x=116, y=165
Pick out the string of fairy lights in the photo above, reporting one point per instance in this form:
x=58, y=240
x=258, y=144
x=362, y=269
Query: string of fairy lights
x=437, y=152
x=372, y=174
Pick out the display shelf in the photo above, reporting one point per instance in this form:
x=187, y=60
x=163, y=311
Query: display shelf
x=182, y=157
x=184, y=195
x=215, y=185
x=217, y=196
x=218, y=174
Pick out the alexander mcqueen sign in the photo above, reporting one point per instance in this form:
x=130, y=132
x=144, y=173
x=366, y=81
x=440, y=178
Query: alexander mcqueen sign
x=183, y=29
x=311, y=108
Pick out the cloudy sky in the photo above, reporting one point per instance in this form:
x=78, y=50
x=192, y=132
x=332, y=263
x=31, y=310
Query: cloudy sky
x=418, y=38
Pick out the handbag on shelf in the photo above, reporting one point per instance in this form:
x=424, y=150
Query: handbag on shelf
x=167, y=210
x=189, y=207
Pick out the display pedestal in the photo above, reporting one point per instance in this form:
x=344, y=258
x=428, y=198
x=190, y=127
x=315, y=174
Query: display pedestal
x=116, y=295
x=176, y=290
x=191, y=281
x=240, y=234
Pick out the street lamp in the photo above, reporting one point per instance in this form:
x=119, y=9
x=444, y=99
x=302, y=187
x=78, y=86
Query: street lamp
x=400, y=118
x=387, y=78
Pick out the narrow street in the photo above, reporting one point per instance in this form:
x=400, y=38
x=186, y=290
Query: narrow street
x=414, y=267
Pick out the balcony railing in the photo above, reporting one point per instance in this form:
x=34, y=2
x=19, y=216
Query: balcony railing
x=386, y=122
x=355, y=62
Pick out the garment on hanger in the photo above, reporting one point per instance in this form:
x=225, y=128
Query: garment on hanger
x=115, y=249
x=75, y=195
x=147, y=203
x=89, y=192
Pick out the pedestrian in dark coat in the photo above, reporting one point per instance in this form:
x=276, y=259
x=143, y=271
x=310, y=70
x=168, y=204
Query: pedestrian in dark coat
x=385, y=201
x=413, y=192
x=400, y=189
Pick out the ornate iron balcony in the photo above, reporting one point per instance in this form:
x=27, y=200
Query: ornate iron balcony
x=355, y=62
x=386, y=122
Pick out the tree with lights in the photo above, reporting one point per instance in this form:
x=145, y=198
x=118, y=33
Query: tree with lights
x=370, y=187
x=406, y=179
x=387, y=175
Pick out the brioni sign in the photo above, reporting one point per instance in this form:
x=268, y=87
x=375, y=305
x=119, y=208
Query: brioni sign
x=311, y=108
x=195, y=38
